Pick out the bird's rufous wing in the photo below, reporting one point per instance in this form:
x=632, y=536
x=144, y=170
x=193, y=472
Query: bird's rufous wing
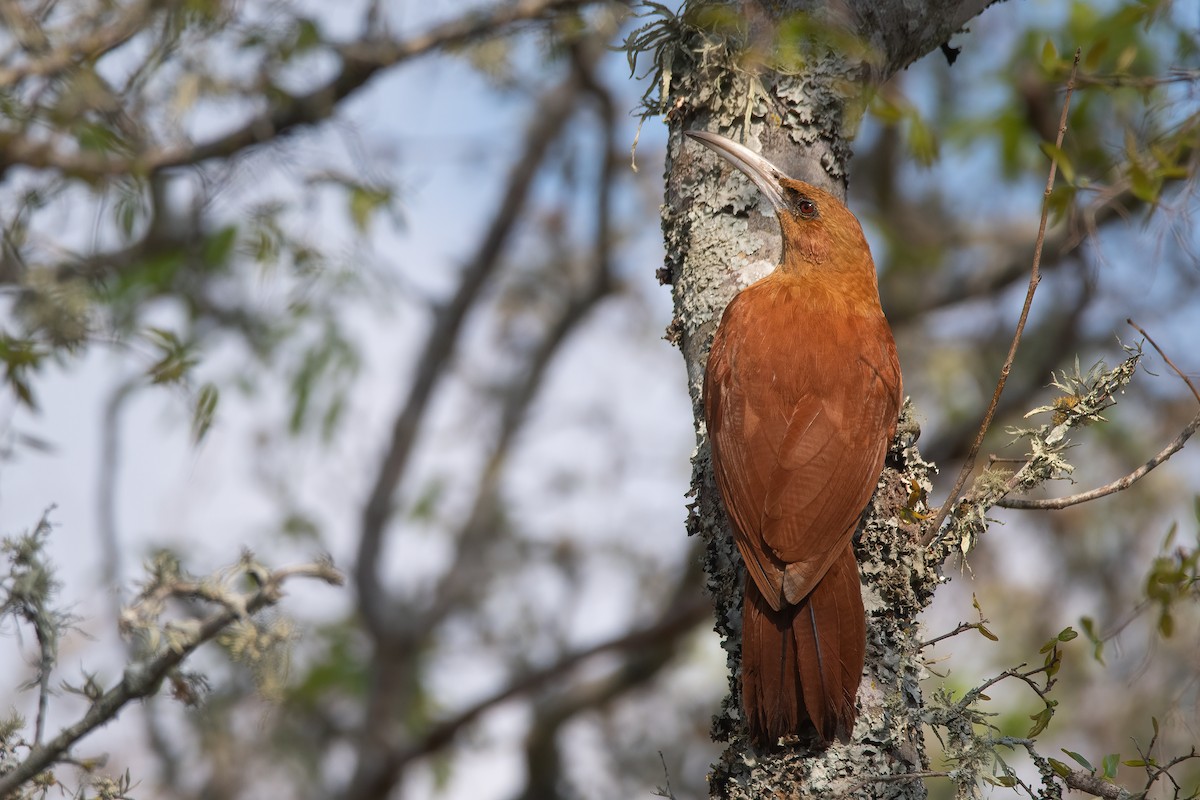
x=797, y=452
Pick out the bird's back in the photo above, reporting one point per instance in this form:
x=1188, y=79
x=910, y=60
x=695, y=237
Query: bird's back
x=801, y=397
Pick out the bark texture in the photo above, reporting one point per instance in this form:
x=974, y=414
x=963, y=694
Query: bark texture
x=720, y=237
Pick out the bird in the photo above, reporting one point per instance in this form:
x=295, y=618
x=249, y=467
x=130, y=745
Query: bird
x=802, y=393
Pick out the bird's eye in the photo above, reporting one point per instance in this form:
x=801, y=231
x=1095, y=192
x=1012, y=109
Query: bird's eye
x=807, y=208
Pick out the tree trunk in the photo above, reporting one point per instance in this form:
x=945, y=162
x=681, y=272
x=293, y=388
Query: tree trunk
x=801, y=110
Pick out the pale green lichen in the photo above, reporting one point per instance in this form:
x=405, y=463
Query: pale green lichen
x=1085, y=397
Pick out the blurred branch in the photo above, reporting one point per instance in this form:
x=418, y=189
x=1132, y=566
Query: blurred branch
x=1183, y=376
x=106, y=489
x=1122, y=483
x=551, y=114
x=679, y=619
x=89, y=47
x=981, y=280
x=1118, y=485
x=379, y=767
x=905, y=306
x=110, y=549
x=519, y=395
x=143, y=679
x=1143, y=82
x=361, y=60
x=1047, y=345
x=26, y=30
x=1034, y=278
x=642, y=662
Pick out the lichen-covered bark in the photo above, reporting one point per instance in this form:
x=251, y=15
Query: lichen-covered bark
x=719, y=239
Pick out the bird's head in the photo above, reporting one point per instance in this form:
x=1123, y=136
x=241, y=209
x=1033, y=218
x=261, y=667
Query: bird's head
x=816, y=227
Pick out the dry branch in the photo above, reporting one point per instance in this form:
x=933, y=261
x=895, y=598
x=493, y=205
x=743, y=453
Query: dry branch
x=549, y=117
x=1034, y=278
x=361, y=60
x=1125, y=482
x=143, y=679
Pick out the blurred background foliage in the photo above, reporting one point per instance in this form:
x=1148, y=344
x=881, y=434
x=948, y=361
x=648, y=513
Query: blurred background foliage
x=379, y=281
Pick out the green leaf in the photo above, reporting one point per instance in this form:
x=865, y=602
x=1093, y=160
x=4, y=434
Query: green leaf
x=1067, y=634
x=986, y=633
x=301, y=527
x=1053, y=663
x=1127, y=57
x=1062, y=200
x=1080, y=760
x=308, y=35
x=922, y=142
x=364, y=202
x=96, y=138
x=1169, y=539
x=176, y=359
x=1144, y=186
x=1110, y=764
x=1049, y=56
x=1095, y=54
x=1166, y=624
x=20, y=357
x=425, y=507
x=1040, y=721
x=219, y=245
x=1063, y=770
x=886, y=111
x=1056, y=155
x=205, y=411
x=1089, y=630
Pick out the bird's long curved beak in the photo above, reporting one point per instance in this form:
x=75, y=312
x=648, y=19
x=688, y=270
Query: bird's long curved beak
x=764, y=174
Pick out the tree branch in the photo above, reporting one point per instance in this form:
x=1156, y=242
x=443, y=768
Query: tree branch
x=1121, y=484
x=379, y=767
x=678, y=620
x=1034, y=278
x=1093, y=784
x=89, y=47
x=142, y=680
x=361, y=60
x=1057, y=503
x=549, y=118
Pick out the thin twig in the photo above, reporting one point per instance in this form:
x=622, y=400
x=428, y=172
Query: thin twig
x=676, y=622
x=1056, y=503
x=1166, y=358
x=1034, y=279
x=47, y=638
x=1094, y=785
x=900, y=776
x=143, y=680
x=1027, y=677
x=477, y=535
x=963, y=627
x=88, y=48
x=1074, y=778
x=550, y=117
x=665, y=791
x=1162, y=770
x=361, y=61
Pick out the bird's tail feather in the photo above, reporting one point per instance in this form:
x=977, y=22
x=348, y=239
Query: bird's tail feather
x=804, y=663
